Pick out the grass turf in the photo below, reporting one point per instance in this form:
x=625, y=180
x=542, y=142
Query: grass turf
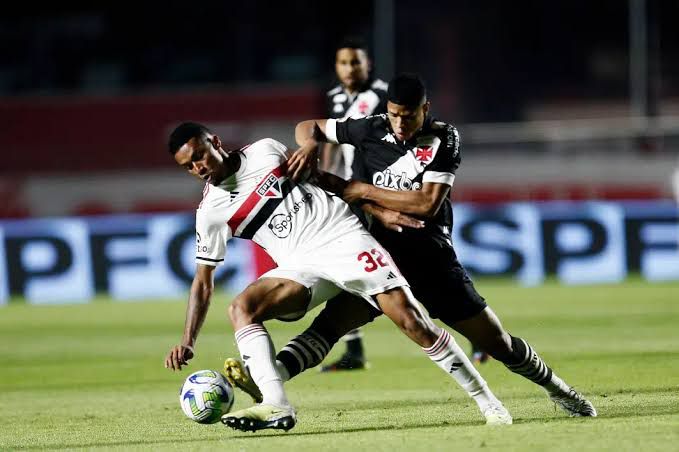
x=91, y=376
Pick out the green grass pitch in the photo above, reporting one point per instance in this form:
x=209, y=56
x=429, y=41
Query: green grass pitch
x=92, y=377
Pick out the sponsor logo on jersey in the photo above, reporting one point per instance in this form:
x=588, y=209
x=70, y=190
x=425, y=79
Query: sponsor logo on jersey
x=389, y=138
x=453, y=140
x=281, y=224
x=424, y=154
x=339, y=98
x=270, y=188
x=387, y=179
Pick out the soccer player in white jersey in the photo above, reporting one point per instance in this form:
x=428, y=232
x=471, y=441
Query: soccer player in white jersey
x=320, y=248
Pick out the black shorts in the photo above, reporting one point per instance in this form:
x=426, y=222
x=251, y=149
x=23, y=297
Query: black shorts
x=442, y=285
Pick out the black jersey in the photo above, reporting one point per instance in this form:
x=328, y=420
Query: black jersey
x=370, y=99
x=432, y=155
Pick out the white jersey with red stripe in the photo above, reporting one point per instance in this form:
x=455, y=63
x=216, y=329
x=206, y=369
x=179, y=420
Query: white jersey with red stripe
x=259, y=202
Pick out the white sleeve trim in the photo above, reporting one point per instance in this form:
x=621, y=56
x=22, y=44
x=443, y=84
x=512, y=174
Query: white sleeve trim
x=331, y=130
x=210, y=262
x=438, y=177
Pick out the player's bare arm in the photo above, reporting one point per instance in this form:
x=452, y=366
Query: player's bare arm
x=391, y=219
x=308, y=135
x=422, y=203
x=196, y=310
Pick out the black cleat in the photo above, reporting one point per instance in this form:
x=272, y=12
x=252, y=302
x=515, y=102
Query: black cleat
x=346, y=362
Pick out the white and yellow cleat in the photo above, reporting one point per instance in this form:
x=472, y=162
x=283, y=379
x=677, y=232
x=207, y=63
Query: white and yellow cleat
x=497, y=414
x=237, y=374
x=260, y=417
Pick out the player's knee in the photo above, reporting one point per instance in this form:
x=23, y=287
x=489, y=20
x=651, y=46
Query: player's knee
x=242, y=311
x=416, y=328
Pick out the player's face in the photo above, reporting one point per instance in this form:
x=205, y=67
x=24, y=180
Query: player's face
x=201, y=158
x=406, y=121
x=352, y=67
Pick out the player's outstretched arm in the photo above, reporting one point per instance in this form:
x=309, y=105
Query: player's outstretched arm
x=423, y=203
x=196, y=310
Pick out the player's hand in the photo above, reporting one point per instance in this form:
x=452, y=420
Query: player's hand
x=354, y=191
x=396, y=221
x=305, y=158
x=178, y=356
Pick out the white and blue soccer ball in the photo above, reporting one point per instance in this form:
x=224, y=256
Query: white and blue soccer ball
x=205, y=396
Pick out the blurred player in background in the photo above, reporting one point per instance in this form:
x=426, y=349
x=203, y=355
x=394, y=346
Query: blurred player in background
x=406, y=161
x=321, y=249
x=357, y=95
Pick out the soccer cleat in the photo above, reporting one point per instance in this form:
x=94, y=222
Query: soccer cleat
x=346, y=362
x=239, y=376
x=260, y=417
x=497, y=414
x=573, y=403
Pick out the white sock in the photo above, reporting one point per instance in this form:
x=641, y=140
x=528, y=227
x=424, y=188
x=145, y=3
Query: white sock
x=257, y=352
x=451, y=358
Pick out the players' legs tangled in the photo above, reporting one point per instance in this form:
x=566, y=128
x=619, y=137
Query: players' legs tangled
x=345, y=312
x=486, y=331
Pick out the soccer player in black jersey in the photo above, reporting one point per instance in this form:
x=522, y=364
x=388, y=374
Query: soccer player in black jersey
x=406, y=161
x=355, y=96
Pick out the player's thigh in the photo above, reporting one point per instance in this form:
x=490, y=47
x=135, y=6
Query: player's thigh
x=399, y=305
x=268, y=298
x=447, y=293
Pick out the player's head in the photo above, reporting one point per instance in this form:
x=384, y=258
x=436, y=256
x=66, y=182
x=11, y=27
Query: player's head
x=352, y=64
x=199, y=151
x=407, y=105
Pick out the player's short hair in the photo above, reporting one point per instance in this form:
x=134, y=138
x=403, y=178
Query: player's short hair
x=407, y=89
x=353, y=42
x=183, y=133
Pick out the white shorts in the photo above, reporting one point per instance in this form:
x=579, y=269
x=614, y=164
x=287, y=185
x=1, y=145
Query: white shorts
x=355, y=263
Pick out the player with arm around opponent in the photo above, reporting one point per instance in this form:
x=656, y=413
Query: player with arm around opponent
x=406, y=161
x=320, y=248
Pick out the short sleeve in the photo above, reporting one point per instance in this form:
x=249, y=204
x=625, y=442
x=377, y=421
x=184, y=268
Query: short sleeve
x=211, y=238
x=442, y=169
x=349, y=131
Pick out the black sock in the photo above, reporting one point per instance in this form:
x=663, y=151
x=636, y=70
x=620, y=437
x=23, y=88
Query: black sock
x=527, y=363
x=309, y=348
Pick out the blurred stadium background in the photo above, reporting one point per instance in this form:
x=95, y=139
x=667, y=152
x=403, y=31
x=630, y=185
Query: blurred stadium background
x=555, y=101
x=569, y=117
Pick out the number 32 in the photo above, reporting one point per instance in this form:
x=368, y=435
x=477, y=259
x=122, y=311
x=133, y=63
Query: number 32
x=372, y=263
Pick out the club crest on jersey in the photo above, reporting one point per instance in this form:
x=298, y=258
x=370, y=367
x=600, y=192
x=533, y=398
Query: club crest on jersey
x=424, y=154
x=270, y=188
x=363, y=107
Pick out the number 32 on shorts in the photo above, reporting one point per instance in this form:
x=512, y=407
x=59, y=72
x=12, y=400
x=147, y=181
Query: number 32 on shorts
x=372, y=260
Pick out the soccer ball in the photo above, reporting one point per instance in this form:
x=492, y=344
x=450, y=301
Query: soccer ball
x=205, y=396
